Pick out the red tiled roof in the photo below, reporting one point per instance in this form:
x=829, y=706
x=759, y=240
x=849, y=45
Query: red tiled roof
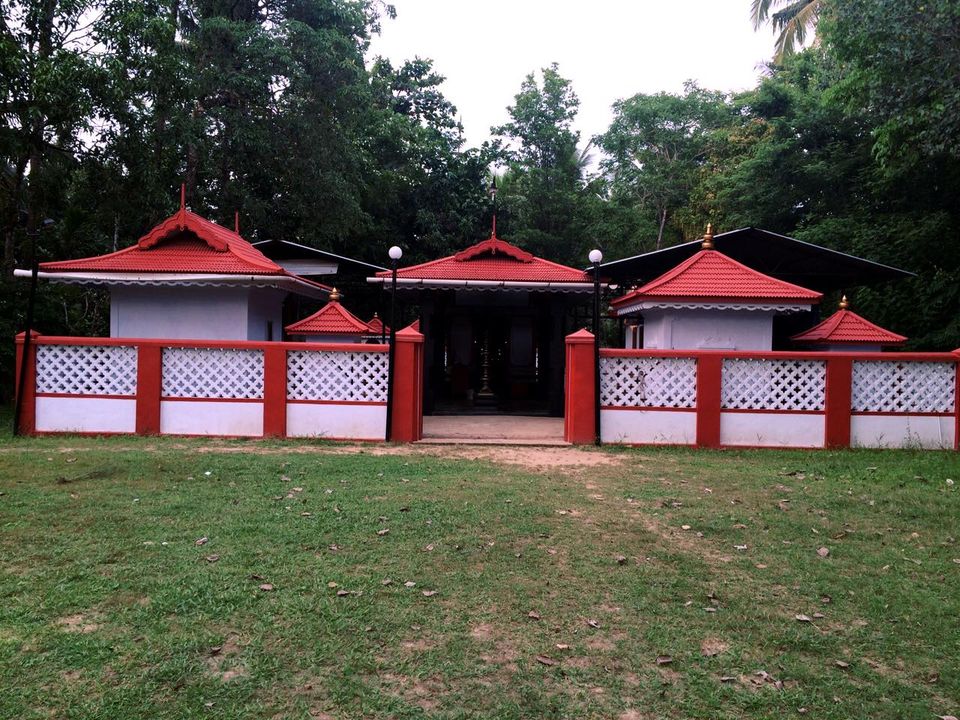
x=376, y=325
x=331, y=319
x=183, y=243
x=711, y=276
x=492, y=259
x=846, y=327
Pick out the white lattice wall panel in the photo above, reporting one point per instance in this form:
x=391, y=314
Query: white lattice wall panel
x=648, y=382
x=773, y=384
x=86, y=370
x=903, y=387
x=336, y=376
x=212, y=373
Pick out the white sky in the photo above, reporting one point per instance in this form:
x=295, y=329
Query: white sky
x=609, y=49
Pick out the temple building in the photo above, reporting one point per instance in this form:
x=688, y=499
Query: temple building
x=189, y=278
x=494, y=317
x=710, y=302
x=845, y=330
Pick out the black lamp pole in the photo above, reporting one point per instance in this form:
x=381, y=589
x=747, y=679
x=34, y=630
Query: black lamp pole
x=395, y=254
x=595, y=257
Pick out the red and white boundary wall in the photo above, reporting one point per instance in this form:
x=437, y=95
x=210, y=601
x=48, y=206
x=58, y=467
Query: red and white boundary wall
x=216, y=388
x=764, y=399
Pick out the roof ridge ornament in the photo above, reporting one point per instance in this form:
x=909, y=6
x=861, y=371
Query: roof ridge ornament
x=844, y=303
x=493, y=246
x=708, y=237
x=335, y=295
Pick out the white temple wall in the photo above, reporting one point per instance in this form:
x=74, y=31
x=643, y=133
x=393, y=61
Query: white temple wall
x=194, y=313
x=265, y=314
x=707, y=330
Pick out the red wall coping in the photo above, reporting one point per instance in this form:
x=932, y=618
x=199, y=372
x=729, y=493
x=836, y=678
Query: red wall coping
x=205, y=344
x=784, y=355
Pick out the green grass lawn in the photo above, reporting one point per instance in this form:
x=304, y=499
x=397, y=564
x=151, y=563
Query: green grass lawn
x=111, y=609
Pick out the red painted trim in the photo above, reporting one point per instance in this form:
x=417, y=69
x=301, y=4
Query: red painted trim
x=336, y=402
x=407, y=412
x=748, y=411
x=215, y=344
x=85, y=396
x=275, y=392
x=782, y=355
x=149, y=387
x=28, y=408
x=258, y=401
x=645, y=408
x=877, y=413
x=578, y=417
x=709, y=383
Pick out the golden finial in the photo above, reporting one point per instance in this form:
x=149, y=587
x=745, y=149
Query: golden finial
x=844, y=303
x=708, y=237
x=334, y=295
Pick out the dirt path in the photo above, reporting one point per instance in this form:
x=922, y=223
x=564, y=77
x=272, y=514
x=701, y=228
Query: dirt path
x=531, y=458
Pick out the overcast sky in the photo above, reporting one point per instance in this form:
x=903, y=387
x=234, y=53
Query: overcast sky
x=609, y=49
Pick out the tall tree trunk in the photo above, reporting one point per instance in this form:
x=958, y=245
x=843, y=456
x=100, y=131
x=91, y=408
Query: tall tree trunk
x=663, y=221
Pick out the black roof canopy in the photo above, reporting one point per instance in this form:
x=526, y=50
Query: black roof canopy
x=785, y=258
x=305, y=260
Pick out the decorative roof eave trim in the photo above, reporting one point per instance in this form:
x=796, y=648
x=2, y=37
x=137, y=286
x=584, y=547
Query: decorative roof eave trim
x=782, y=308
x=586, y=286
x=297, y=285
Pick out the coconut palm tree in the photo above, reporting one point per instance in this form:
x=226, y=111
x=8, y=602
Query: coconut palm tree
x=793, y=20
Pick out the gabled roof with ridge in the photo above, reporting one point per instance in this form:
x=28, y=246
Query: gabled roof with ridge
x=492, y=260
x=712, y=277
x=332, y=319
x=183, y=243
x=845, y=327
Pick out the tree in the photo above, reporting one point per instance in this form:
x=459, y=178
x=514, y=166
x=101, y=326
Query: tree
x=539, y=145
x=656, y=151
x=793, y=21
x=902, y=60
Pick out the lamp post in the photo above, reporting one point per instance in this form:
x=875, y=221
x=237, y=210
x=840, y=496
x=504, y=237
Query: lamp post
x=33, y=234
x=596, y=257
x=395, y=254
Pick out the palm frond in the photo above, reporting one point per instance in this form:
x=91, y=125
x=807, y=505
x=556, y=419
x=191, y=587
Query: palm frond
x=759, y=12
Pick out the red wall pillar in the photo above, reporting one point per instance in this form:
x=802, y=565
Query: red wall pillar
x=837, y=402
x=956, y=403
x=709, y=384
x=274, y=392
x=28, y=408
x=407, y=420
x=149, y=386
x=578, y=417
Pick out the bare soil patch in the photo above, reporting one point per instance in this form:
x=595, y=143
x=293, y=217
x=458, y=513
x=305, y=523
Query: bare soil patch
x=79, y=623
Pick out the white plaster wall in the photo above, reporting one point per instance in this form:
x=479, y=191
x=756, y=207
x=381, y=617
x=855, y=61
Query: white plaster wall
x=894, y=431
x=332, y=339
x=772, y=429
x=707, y=330
x=211, y=417
x=356, y=422
x=648, y=427
x=88, y=415
x=265, y=305
x=179, y=313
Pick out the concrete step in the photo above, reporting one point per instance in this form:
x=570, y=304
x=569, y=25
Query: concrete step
x=526, y=442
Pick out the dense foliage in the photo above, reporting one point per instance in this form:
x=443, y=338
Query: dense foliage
x=278, y=111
